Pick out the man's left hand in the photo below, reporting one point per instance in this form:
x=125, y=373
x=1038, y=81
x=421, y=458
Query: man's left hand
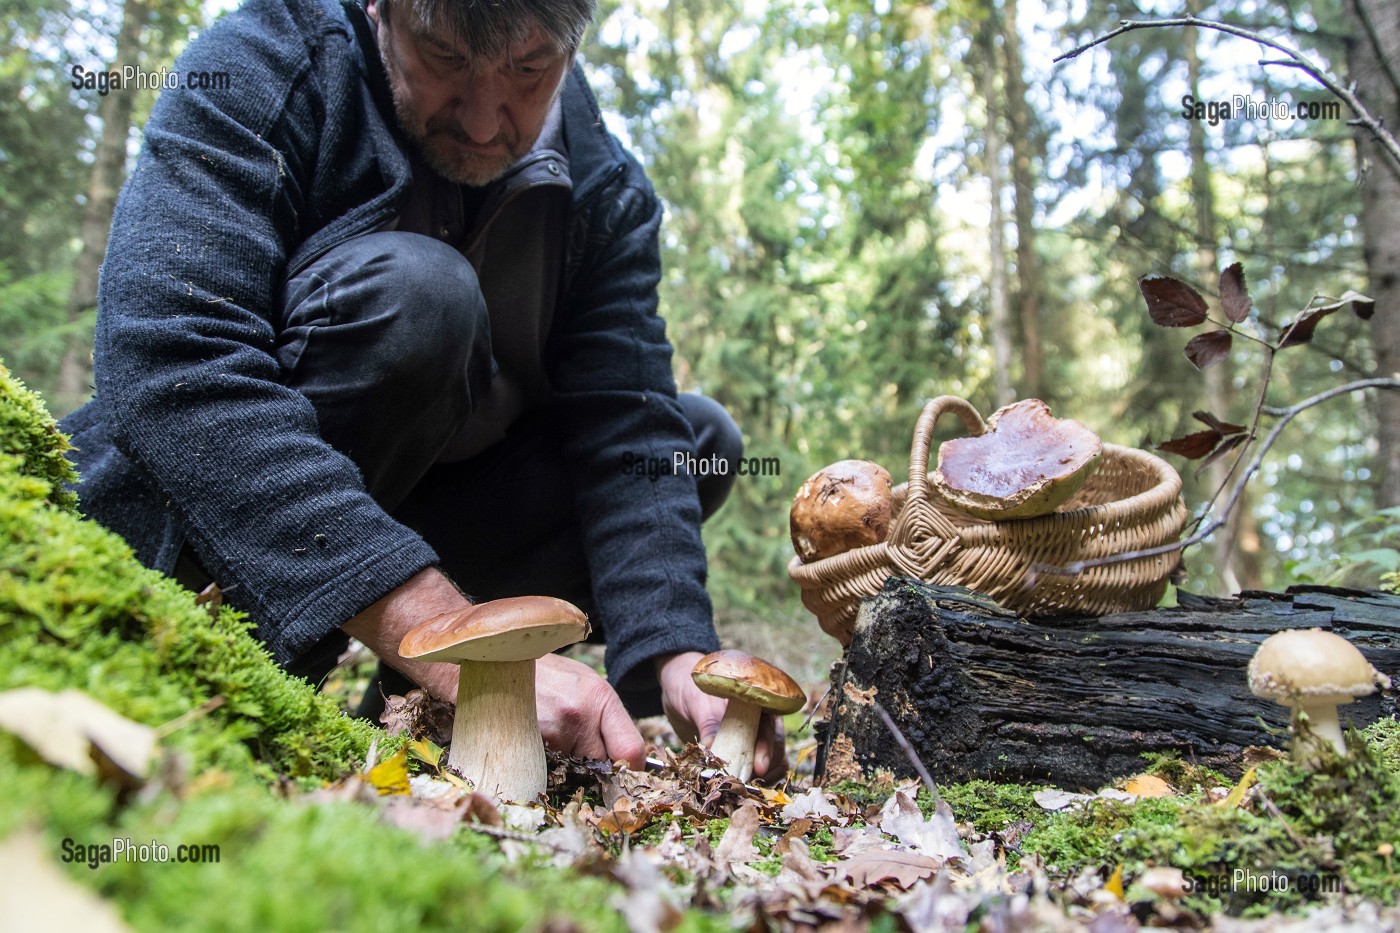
x=696, y=715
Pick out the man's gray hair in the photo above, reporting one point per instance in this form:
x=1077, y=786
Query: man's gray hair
x=487, y=28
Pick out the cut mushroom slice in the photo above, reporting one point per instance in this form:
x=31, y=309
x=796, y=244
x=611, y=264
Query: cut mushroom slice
x=1312, y=671
x=1027, y=464
x=496, y=740
x=842, y=506
x=751, y=686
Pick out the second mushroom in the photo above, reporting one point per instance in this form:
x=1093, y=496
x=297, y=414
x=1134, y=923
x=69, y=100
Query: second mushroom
x=752, y=686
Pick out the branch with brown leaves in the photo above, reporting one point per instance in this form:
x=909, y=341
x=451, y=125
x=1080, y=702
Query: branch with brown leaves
x=1292, y=59
x=1173, y=303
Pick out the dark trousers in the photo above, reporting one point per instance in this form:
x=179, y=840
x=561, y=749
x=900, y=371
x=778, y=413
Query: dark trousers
x=389, y=338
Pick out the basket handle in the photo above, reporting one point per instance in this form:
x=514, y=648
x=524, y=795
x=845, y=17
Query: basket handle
x=923, y=436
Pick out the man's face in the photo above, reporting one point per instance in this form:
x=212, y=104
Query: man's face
x=472, y=119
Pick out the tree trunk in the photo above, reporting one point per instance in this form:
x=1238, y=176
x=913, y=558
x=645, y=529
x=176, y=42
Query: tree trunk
x=980, y=693
x=998, y=314
x=1023, y=150
x=108, y=172
x=1374, y=62
x=1217, y=379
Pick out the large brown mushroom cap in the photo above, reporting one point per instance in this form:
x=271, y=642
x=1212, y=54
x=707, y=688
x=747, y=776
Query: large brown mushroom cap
x=1027, y=464
x=518, y=628
x=738, y=676
x=843, y=506
x=1302, y=664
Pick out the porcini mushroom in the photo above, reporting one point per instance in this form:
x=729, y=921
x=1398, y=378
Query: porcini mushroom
x=842, y=506
x=1313, y=672
x=496, y=740
x=1028, y=463
x=751, y=686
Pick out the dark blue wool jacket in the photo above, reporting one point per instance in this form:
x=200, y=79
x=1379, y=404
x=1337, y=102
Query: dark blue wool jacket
x=193, y=438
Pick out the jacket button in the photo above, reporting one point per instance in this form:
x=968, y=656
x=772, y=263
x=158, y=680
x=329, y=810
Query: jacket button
x=553, y=168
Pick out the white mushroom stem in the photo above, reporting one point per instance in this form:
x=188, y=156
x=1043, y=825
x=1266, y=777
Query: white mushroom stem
x=1322, y=722
x=496, y=740
x=736, y=736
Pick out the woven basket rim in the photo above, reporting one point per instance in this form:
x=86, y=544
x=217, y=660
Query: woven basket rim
x=1158, y=499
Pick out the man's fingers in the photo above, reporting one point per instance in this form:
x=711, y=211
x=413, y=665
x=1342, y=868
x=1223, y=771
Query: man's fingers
x=620, y=736
x=582, y=716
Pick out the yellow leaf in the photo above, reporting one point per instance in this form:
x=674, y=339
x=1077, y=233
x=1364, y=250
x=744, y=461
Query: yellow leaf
x=775, y=797
x=425, y=751
x=390, y=776
x=1148, y=785
x=1236, y=797
x=1114, y=884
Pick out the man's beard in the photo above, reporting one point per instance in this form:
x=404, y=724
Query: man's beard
x=446, y=148
x=450, y=153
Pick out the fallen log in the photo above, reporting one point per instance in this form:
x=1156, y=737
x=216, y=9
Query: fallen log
x=981, y=693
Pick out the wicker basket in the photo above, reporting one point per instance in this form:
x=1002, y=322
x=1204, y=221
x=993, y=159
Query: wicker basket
x=1131, y=502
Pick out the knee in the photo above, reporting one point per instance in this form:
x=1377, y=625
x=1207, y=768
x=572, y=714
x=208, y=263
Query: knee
x=716, y=436
x=406, y=307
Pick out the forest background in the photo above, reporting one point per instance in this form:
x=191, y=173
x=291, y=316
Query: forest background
x=870, y=204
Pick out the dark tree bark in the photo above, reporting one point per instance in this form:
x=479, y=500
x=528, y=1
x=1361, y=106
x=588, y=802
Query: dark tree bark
x=980, y=693
x=1374, y=63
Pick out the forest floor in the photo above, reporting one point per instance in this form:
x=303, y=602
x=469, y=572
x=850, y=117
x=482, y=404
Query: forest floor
x=159, y=772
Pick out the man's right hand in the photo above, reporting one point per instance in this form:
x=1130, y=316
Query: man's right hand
x=579, y=713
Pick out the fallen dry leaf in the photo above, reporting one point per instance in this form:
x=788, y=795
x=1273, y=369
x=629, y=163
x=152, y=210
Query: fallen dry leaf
x=390, y=776
x=813, y=805
x=1148, y=785
x=74, y=731
x=625, y=818
x=903, y=867
x=1057, y=799
x=419, y=715
x=936, y=836
x=35, y=894
x=649, y=905
x=736, y=845
x=428, y=821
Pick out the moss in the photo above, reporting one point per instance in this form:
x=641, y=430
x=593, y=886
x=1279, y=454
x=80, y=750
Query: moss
x=988, y=806
x=1305, y=836
x=29, y=434
x=292, y=865
x=1383, y=736
x=78, y=610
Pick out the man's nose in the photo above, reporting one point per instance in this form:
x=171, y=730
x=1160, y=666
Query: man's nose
x=481, y=108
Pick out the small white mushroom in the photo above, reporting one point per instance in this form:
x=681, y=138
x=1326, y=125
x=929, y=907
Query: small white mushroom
x=496, y=740
x=1313, y=672
x=751, y=686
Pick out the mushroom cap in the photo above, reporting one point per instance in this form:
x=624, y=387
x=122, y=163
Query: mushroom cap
x=735, y=675
x=840, y=507
x=1311, y=664
x=519, y=628
x=1027, y=464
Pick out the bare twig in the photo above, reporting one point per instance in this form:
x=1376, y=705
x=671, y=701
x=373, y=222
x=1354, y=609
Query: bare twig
x=1208, y=528
x=909, y=752
x=1292, y=59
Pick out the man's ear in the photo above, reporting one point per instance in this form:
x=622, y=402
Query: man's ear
x=372, y=11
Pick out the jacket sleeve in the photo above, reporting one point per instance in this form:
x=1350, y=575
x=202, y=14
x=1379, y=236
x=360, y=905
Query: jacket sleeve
x=616, y=397
x=184, y=354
